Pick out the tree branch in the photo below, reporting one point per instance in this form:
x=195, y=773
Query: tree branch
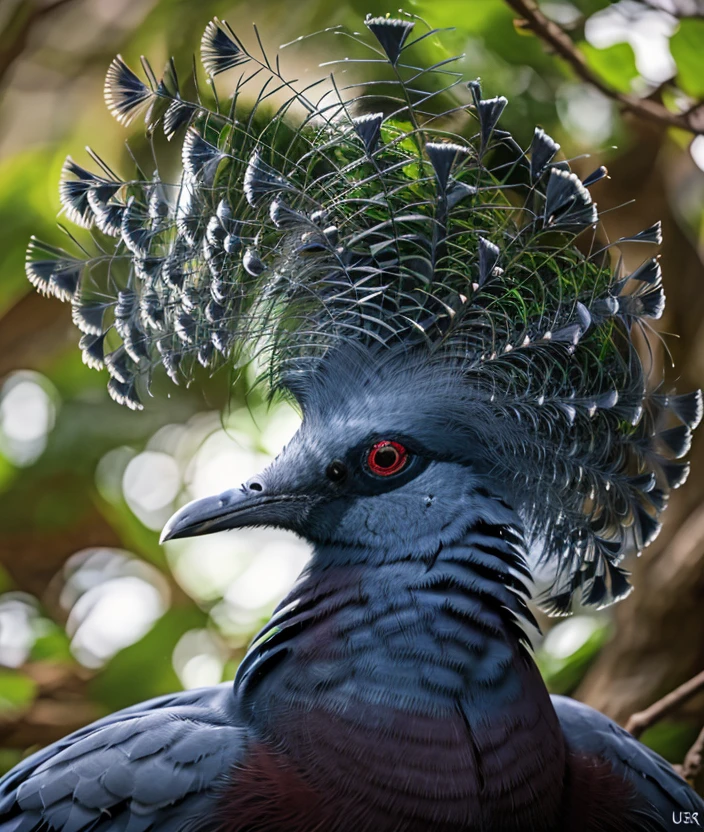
x=13, y=40
x=557, y=39
x=665, y=706
x=694, y=761
x=60, y=707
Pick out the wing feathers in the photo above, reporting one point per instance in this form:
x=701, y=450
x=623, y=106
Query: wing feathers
x=129, y=770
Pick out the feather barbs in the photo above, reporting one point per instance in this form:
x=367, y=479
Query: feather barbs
x=366, y=223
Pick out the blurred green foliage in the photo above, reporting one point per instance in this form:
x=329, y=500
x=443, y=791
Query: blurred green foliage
x=51, y=505
x=686, y=47
x=564, y=669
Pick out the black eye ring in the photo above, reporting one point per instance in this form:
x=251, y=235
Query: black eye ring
x=336, y=471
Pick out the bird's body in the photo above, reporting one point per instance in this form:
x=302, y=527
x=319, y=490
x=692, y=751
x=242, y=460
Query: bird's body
x=391, y=691
x=367, y=715
x=405, y=691
x=474, y=409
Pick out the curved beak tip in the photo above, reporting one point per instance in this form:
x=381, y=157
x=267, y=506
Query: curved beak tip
x=232, y=510
x=176, y=526
x=166, y=532
x=196, y=518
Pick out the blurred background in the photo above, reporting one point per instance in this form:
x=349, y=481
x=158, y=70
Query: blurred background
x=94, y=614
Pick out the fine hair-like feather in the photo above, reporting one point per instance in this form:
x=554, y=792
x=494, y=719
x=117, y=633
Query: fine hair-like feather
x=332, y=215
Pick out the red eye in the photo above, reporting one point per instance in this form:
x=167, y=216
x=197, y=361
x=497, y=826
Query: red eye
x=387, y=458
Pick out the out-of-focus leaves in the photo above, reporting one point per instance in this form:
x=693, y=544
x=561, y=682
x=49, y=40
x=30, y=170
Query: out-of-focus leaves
x=670, y=739
x=5, y=580
x=145, y=669
x=51, y=643
x=590, y=7
x=137, y=538
x=16, y=690
x=50, y=509
x=562, y=673
x=9, y=758
x=687, y=47
x=480, y=16
x=615, y=64
x=26, y=204
x=7, y=474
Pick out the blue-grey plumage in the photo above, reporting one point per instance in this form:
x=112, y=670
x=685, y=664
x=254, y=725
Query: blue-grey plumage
x=371, y=227
x=394, y=688
x=474, y=410
x=157, y=765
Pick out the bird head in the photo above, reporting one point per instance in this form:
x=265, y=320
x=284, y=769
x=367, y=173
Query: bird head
x=377, y=464
x=506, y=372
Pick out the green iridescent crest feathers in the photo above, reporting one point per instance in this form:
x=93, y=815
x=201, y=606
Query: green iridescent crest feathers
x=353, y=213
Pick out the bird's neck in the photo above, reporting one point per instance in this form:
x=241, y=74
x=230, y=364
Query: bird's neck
x=413, y=676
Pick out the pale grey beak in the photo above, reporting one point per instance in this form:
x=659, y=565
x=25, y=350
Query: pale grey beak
x=250, y=505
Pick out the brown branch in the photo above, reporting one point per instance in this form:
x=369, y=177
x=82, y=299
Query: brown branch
x=665, y=706
x=694, y=761
x=60, y=707
x=13, y=40
x=558, y=40
x=47, y=721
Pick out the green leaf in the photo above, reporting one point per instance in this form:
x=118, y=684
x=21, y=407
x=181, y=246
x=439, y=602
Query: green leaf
x=590, y=7
x=9, y=758
x=474, y=17
x=16, y=690
x=616, y=64
x=563, y=674
x=687, y=47
x=51, y=643
x=6, y=582
x=670, y=739
x=27, y=205
x=8, y=472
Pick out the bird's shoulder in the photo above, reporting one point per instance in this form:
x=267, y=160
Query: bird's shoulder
x=157, y=766
x=605, y=758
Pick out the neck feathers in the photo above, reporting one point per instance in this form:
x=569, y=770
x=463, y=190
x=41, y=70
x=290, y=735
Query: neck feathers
x=412, y=678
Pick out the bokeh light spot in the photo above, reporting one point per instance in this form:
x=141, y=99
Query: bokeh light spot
x=198, y=659
x=569, y=635
x=27, y=415
x=150, y=484
x=113, y=600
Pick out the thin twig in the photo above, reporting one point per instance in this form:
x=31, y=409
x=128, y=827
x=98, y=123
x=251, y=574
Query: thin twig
x=557, y=39
x=694, y=761
x=665, y=706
